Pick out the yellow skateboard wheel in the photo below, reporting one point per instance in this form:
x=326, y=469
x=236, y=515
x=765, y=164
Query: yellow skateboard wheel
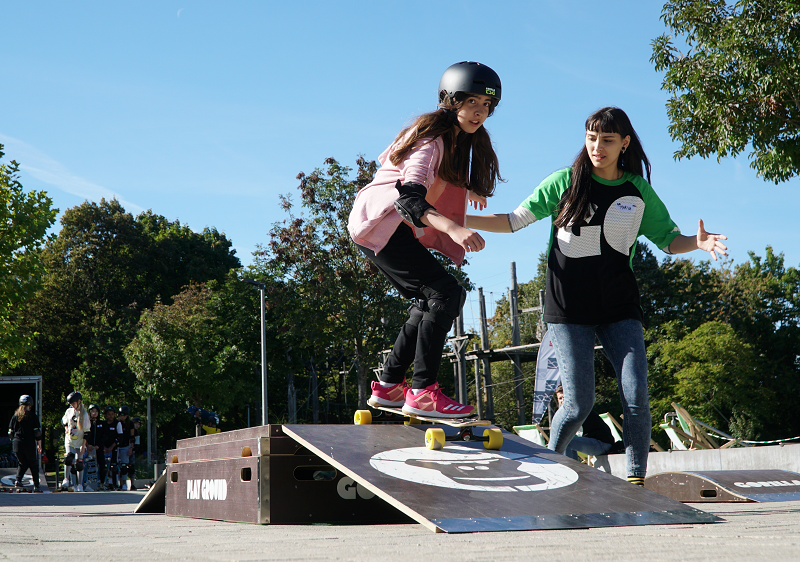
x=495, y=439
x=434, y=438
x=362, y=417
x=412, y=421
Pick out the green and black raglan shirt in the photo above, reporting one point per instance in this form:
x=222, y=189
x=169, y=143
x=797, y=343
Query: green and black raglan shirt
x=590, y=276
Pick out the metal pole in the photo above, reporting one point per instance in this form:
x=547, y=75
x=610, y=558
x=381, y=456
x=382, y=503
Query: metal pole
x=261, y=293
x=487, y=368
x=515, y=340
x=149, y=432
x=478, y=401
x=264, y=412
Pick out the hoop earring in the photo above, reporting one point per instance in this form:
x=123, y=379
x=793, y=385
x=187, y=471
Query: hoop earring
x=624, y=148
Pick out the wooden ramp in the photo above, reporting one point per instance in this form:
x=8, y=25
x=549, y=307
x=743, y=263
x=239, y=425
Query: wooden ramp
x=155, y=500
x=727, y=485
x=466, y=488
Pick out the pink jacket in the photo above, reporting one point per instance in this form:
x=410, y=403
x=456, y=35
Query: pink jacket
x=374, y=219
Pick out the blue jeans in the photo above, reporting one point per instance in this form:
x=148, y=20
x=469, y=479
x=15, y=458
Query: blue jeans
x=623, y=343
x=587, y=446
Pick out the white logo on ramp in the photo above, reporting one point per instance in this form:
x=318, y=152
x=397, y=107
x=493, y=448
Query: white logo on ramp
x=463, y=468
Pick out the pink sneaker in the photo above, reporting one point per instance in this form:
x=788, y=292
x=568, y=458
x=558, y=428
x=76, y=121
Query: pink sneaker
x=433, y=403
x=388, y=396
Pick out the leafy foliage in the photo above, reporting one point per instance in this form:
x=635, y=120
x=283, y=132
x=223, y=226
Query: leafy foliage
x=24, y=220
x=738, y=85
x=331, y=304
x=103, y=269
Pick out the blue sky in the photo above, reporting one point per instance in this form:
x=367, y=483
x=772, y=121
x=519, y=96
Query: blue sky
x=205, y=112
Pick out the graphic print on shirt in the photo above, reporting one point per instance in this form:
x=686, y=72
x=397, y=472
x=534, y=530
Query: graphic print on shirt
x=622, y=221
x=620, y=227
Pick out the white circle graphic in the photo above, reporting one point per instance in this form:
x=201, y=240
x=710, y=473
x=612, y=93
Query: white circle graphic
x=462, y=468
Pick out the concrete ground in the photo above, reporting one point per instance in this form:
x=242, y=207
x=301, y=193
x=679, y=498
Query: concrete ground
x=102, y=526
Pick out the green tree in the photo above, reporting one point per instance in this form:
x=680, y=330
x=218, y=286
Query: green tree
x=714, y=377
x=327, y=299
x=24, y=220
x=738, y=84
x=103, y=269
x=180, y=355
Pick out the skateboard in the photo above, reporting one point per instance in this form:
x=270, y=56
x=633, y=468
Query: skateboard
x=92, y=476
x=435, y=437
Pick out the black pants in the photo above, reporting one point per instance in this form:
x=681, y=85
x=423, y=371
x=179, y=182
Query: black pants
x=418, y=275
x=101, y=465
x=28, y=459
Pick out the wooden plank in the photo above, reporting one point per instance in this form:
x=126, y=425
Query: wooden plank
x=253, y=441
x=466, y=488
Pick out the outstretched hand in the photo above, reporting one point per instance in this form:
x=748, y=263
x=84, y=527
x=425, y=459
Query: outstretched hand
x=710, y=242
x=478, y=202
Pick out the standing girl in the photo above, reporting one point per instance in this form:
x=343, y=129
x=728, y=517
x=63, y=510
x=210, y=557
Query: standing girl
x=26, y=440
x=418, y=200
x=599, y=207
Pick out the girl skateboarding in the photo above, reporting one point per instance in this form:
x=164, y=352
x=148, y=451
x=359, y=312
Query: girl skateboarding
x=599, y=206
x=418, y=200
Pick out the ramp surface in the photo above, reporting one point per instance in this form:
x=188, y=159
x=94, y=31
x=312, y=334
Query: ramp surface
x=466, y=488
x=727, y=485
x=155, y=500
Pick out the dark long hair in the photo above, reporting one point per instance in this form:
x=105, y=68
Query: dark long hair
x=575, y=206
x=480, y=173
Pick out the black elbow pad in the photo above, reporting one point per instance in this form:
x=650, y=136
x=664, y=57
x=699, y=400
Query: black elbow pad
x=411, y=204
x=37, y=434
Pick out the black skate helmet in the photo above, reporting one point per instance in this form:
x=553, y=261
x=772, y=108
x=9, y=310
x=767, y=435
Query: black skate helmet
x=109, y=408
x=136, y=420
x=74, y=397
x=93, y=407
x=26, y=400
x=124, y=410
x=470, y=78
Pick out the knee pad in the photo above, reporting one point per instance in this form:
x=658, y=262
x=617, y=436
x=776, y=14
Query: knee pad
x=69, y=459
x=79, y=466
x=445, y=306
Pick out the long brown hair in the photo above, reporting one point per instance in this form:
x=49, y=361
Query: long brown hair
x=21, y=412
x=480, y=173
x=575, y=205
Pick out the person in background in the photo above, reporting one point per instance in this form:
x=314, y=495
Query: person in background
x=25, y=432
x=137, y=442
x=110, y=448
x=94, y=443
x=124, y=446
x=76, y=422
x=595, y=436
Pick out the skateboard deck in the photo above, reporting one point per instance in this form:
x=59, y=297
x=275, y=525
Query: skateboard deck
x=470, y=421
x=92, y=476
x=435, y=437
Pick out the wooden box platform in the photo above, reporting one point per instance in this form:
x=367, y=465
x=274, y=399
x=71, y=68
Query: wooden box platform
x=260, y=475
